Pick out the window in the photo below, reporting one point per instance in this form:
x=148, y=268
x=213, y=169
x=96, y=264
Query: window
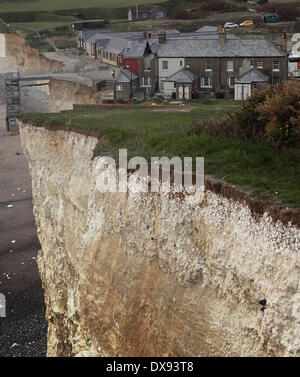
x=251, y=64
x=145, y=15
x=165, y=64
x=206, y=82
x=119, y=87
x=260, y=64
x=275, y=65
x=207, y=65
x=231, y=81
x=181, y=62
x=175, y=84
x=275, y=80
x=230, y=66
x=146, y=81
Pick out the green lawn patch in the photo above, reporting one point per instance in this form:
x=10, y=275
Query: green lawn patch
x=66, y=43
x=53, y=5
x=260, y=169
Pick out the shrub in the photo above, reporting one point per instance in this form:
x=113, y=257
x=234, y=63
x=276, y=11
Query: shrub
x=214, y=5
x=281, y=113
x=286, y=12
x=181, y=14
x=271, y=115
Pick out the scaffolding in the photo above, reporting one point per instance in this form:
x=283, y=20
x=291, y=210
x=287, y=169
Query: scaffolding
x=13, y=101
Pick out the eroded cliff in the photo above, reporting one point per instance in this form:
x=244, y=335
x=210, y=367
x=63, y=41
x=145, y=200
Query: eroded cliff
x=150, y=275
x=19, y=56
x=64, y=94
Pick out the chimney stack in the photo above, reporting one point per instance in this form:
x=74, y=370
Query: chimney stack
x=284, y=41
x=162, y=36
x=222, y=34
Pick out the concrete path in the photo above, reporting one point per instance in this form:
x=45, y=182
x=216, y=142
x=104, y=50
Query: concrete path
x=23, y=331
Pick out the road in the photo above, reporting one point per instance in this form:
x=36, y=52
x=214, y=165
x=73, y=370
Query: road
x=23, y=331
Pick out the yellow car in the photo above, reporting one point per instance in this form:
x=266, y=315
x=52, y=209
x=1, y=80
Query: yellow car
x=246, y=23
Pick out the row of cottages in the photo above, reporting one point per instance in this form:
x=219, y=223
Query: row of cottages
x=206, y=63
x=86, y=40
x=220, y=66
x=146, y=12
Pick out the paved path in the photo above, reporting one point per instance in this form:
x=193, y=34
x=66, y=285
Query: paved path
x=23, y=331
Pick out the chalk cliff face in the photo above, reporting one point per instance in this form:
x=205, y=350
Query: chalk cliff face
x=63, y=94
x=150, y=275
x=19, y=56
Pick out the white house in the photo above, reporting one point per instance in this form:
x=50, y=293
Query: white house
x=166, y=68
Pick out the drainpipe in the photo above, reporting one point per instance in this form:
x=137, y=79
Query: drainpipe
x=220, y=76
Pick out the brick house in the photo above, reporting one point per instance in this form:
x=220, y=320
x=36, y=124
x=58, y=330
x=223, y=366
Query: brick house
x=86, y=40
x=126, y=85
x=181, y=84
x=138, y=58
x=146, y=12
x=220, y=63
x=207, y=63
x=249, y=81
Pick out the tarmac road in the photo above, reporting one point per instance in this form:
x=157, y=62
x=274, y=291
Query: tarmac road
x=23, y=331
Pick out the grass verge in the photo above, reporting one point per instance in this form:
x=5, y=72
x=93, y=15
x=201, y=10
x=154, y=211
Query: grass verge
x=260, y=169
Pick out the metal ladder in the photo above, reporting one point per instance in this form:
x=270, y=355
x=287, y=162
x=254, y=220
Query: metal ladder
x=13, y=102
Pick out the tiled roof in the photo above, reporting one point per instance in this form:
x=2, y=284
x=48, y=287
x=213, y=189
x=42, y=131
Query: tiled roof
x=89, y=33
x=125, y=76
x=182, y=76
x=102, y=42
x=208, y=28
x=116, y=45
x=214, y=48
x=253, y=75
x=135, y=49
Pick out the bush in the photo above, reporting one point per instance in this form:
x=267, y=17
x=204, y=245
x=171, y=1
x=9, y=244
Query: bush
x=281, y=113
x=185, y=14
x=271, y=115
x=214, y=5
x=286, y=12
x=181, y=14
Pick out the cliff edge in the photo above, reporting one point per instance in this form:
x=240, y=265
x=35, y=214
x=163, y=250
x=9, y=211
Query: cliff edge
x=149, y=275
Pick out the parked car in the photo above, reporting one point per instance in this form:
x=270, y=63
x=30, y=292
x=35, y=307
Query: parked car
x=230, y=25
x=246, y=23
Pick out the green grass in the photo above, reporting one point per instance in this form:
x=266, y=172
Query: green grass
x=66, y=43
x=31, y=27
x=260, y=169
x=53, y=5
x=41, y=46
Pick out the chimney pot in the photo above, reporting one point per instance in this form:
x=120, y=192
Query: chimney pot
x=162, y=36
x=222, y=34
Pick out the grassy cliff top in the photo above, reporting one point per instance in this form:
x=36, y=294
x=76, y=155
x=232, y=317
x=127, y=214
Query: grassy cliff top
x=53, y=5
x=260, y=169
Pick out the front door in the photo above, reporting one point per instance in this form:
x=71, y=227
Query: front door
x=186, y=92
x=180, y=91
x=243, y=91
